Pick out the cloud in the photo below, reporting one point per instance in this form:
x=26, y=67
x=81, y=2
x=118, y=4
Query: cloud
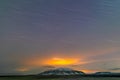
x=114, y=69
x=113, y=41
x=48, y=66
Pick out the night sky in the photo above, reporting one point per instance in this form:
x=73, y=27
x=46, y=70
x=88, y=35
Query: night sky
x=37, y=35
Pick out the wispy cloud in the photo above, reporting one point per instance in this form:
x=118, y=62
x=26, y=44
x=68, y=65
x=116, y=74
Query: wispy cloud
x=113, y=41
x=48, y=66
x=114, y=69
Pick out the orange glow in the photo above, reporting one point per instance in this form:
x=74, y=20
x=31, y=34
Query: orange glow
x=22, y=69
x=89, y=71
x=61, y=61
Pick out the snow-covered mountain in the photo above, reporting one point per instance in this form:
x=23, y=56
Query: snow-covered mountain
x=62, y=71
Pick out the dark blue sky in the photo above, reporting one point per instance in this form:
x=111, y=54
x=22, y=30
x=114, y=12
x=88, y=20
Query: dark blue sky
x=87, y=30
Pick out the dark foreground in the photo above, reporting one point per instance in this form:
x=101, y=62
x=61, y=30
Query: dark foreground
x=78, y=78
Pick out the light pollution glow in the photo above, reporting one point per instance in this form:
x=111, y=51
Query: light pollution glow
x=53, y=61
x=61, y=61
